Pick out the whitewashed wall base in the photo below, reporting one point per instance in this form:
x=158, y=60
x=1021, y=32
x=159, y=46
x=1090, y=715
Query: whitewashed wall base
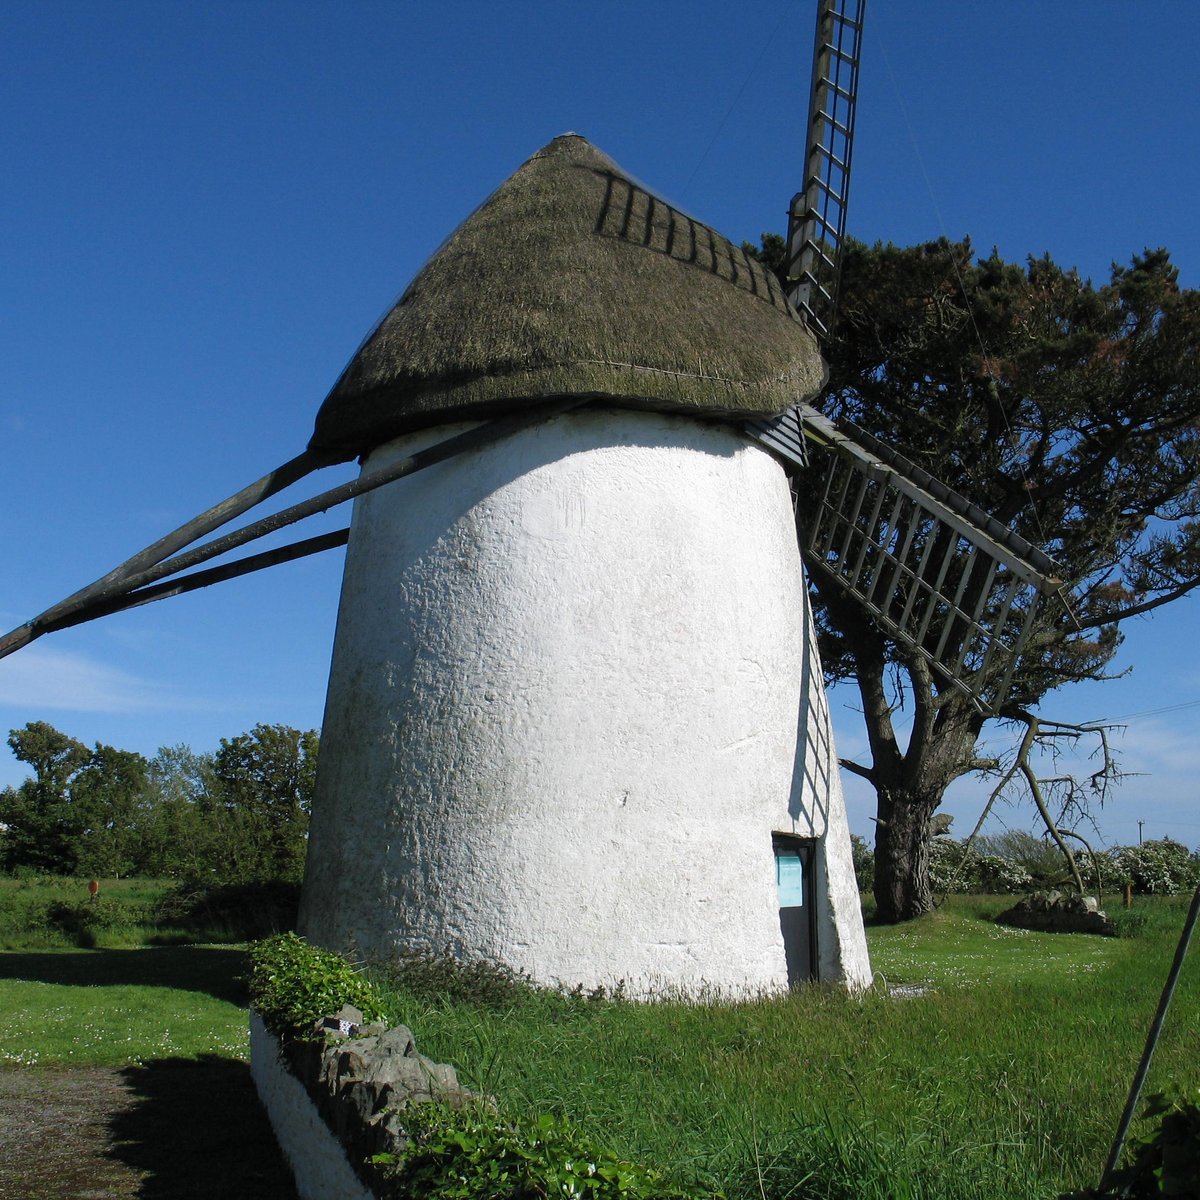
x=562, y=714
x=319, y=1164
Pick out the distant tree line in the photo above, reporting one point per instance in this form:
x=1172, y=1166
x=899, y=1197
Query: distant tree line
x=233, y=816
x=1017, y=862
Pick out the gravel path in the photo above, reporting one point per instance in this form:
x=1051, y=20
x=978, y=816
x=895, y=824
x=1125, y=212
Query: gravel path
x=176, y=1129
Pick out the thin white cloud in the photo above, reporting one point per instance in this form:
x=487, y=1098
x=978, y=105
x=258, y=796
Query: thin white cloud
x=45, y=678
x=1155, y=746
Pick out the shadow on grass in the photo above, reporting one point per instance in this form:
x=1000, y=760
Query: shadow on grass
x=196, y=1131
x=217, y=970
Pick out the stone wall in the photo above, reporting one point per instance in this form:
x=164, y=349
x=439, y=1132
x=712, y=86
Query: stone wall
x=332, y=1098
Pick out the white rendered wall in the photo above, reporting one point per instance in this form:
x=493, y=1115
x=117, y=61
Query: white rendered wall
x=562, y=713
x=319, y=1163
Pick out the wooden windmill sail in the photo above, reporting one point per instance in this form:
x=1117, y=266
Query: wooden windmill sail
x=940, y=575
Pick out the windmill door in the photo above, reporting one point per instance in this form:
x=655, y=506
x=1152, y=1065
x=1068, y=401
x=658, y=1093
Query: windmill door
x=794, y=882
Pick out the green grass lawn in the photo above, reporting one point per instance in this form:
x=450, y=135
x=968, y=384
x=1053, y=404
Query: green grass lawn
x=961, y=945
x=116, y=1007
x=123, y=1003
x=1004, y=1078
x=1001, y=1077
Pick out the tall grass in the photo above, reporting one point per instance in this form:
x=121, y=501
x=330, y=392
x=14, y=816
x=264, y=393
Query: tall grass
x=1003, y=1079
x=55, y=912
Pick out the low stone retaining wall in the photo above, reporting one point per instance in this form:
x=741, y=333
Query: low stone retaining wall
x=318, y=1161
x=333, y=1098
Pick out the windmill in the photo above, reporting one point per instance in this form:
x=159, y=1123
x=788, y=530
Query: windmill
x=573, y=641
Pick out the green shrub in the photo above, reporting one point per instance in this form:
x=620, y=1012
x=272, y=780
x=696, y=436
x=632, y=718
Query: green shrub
x=492, y=986
x=1040, y=857
x=1002, y=876
x=1101, y=872
x=1130, y=922
x=438, y=977
x=293, y=984
x=472, y=1154
x=864, y=863
x=83, y=920
x=948, y=873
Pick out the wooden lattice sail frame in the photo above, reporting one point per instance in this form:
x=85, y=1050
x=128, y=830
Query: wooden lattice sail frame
x=817, y=214
x=946, y=580
x=949, y=582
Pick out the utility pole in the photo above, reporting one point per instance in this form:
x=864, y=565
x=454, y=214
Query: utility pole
x=1140, y=824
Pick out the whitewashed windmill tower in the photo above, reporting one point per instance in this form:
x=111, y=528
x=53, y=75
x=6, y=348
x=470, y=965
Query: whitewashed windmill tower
x=575, y=719
x=561, y=730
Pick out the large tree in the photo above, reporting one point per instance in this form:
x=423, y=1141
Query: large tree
x=110, y=799
x=1070, y=412
x=41, y=826
x=79, y=813
x=262, y=792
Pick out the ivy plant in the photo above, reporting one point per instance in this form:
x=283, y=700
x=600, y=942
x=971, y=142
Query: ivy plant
x=293, y=984
x=471, y=1153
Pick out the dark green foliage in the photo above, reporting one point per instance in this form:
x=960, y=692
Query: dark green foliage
x=293, y=984
x=471, y=1153
x=864, y=863
x=83, y=921
x=263, y=792
x=59, y=912
x=441, y=977
x=1164, y=1161
x=179, y=839
x=772, y=253
x=1039, y=856
x=232, y=911
x=1068, y=411
x=80, y=812
x=109, y=795
x=43, y=825
x=1129, y=922
x=239, y=816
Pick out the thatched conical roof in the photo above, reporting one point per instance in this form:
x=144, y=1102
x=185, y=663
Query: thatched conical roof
x=572, y=279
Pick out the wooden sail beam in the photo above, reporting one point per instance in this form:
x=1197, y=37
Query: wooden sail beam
x=817, y=215
x=212, y=518
x=201, y=579
x=969, y=519
x=151, y=565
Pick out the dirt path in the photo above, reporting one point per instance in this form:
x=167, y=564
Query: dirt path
x=175, y=1129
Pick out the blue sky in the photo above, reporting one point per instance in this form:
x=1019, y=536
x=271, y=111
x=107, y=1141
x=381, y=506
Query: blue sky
x=206, y=207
